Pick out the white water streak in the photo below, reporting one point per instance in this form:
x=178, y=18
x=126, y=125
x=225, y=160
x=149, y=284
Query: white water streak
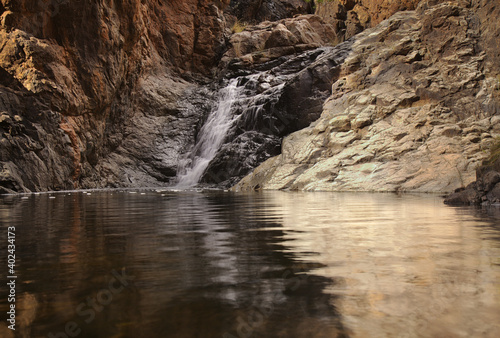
x=211, y=137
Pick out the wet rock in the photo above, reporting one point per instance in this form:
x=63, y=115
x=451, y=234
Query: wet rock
x=275, y=102
x=465, y=196
x=395, y=122
x=486, y=189
x=238, y=157
x=92, y=92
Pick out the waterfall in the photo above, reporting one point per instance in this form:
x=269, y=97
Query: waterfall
x=210, y=137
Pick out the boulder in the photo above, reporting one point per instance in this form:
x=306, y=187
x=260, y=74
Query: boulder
x=349, y=17
x=268, y=41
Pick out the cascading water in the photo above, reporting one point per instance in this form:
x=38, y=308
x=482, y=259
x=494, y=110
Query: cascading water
x=254, y=112
x=210, y=138
x=240, y=107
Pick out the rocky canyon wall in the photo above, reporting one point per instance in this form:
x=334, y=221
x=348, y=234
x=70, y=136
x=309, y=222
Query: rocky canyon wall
x=416, y=108
x=107, y=93
x=350, y=17
x=100, y=93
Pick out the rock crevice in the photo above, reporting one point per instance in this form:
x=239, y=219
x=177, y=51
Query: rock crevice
x=410, y=111
x=113, y=94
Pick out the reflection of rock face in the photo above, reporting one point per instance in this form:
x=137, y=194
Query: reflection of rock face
x=411, y=111
x=200, y=275
x=283, y=264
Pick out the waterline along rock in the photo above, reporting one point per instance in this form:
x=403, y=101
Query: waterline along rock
x=103, y=94
x=415, y=108
x=126, y=94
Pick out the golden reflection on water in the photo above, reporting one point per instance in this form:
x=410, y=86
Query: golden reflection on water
x=402, y=268
x=210, y=264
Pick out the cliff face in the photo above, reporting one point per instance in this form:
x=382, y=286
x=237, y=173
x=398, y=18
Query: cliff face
x=108, y=94
x=284, y=76
x=112, y=94
x=89, y=88
x=350, y=17
x=254, y=11
x=415, y=109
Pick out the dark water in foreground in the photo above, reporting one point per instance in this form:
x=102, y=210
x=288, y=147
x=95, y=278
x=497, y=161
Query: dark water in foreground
x=214, y=264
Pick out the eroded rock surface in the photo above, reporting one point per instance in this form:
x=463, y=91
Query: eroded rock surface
x=112, y=94
x=268, y=41
x=486, y=189
x=96, y=94
x=279, y=97
x=350, y=17
x=414, y=109
x=253, y=11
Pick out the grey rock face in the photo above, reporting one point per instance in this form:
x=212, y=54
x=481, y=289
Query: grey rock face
x=284, y=97
x=410, y=111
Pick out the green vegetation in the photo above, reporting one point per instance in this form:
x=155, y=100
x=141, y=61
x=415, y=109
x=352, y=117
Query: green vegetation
x=239, y=27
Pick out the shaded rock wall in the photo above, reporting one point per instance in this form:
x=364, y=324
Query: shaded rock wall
x=414, y=109
x=254, y=11
x=111, y=94
x=89, y=89
x=484, y=191
x=350, y=17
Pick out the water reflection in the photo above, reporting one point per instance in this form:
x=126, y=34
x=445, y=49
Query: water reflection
x=408, y=265
x=215, y=264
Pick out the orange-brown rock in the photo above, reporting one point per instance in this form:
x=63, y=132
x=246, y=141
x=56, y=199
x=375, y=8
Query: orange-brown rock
x=350, y=17
x=415, y=107
x=77, y=76
x=270, y=40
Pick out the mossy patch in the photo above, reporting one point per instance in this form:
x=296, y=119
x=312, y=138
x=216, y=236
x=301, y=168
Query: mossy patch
x=239, y=27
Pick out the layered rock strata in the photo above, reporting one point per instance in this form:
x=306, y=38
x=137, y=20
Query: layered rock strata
x=414, y=109
x=100, y=93
x=350, y=17
x=486, y=189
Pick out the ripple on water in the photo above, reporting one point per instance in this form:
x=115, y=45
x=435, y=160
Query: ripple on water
x=273, y=264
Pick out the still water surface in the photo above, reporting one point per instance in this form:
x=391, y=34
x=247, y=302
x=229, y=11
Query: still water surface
x=276, y=264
